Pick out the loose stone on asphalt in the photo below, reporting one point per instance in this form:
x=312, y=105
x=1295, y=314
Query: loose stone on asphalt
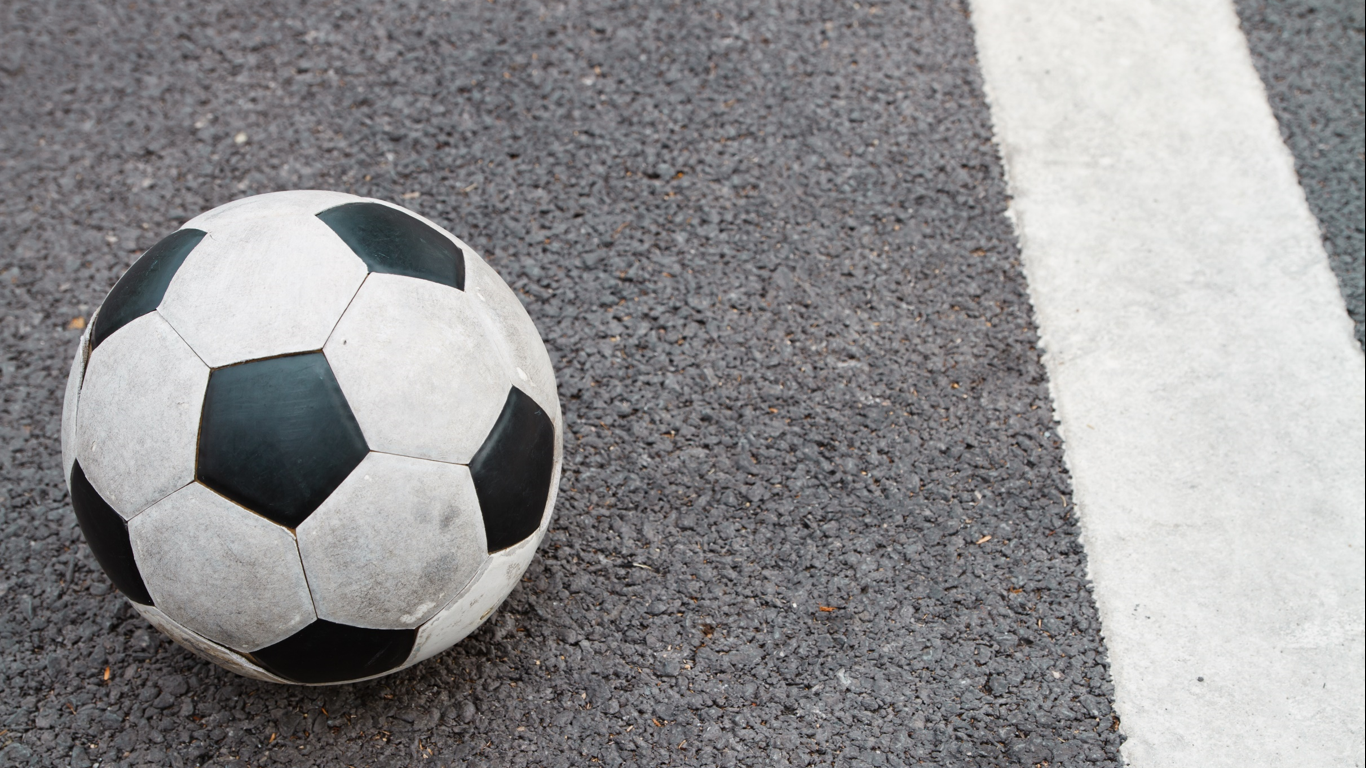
x=813, y=508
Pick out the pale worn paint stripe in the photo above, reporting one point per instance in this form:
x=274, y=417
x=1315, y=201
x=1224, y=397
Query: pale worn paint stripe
x=1203, y=369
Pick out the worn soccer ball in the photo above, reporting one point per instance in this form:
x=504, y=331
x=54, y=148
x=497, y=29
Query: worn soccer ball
x=312, y=437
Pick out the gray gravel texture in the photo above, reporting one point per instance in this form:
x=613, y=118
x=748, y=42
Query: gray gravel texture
x=814, y=509
x=1311, y=55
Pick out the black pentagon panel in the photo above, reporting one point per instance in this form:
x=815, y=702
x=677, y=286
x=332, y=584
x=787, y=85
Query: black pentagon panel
x=107, y=535
x=141, y=288
x=277, y=436
x=326, y=652
x=389, y=240
x=512, y=471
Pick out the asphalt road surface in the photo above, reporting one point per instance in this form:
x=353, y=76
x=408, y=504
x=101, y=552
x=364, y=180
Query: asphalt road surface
x=814, y=510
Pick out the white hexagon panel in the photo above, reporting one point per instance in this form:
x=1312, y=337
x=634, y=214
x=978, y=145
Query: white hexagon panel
x=203, y=558
x=410, y=346
x=264, y=286
x=312, y=437
x=394, y=543
x=509, y=320
x=138, y=418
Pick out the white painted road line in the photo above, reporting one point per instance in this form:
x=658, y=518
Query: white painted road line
x=1211, y=393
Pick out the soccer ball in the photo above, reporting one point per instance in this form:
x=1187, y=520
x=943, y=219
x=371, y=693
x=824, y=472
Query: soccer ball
x=312, y=437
